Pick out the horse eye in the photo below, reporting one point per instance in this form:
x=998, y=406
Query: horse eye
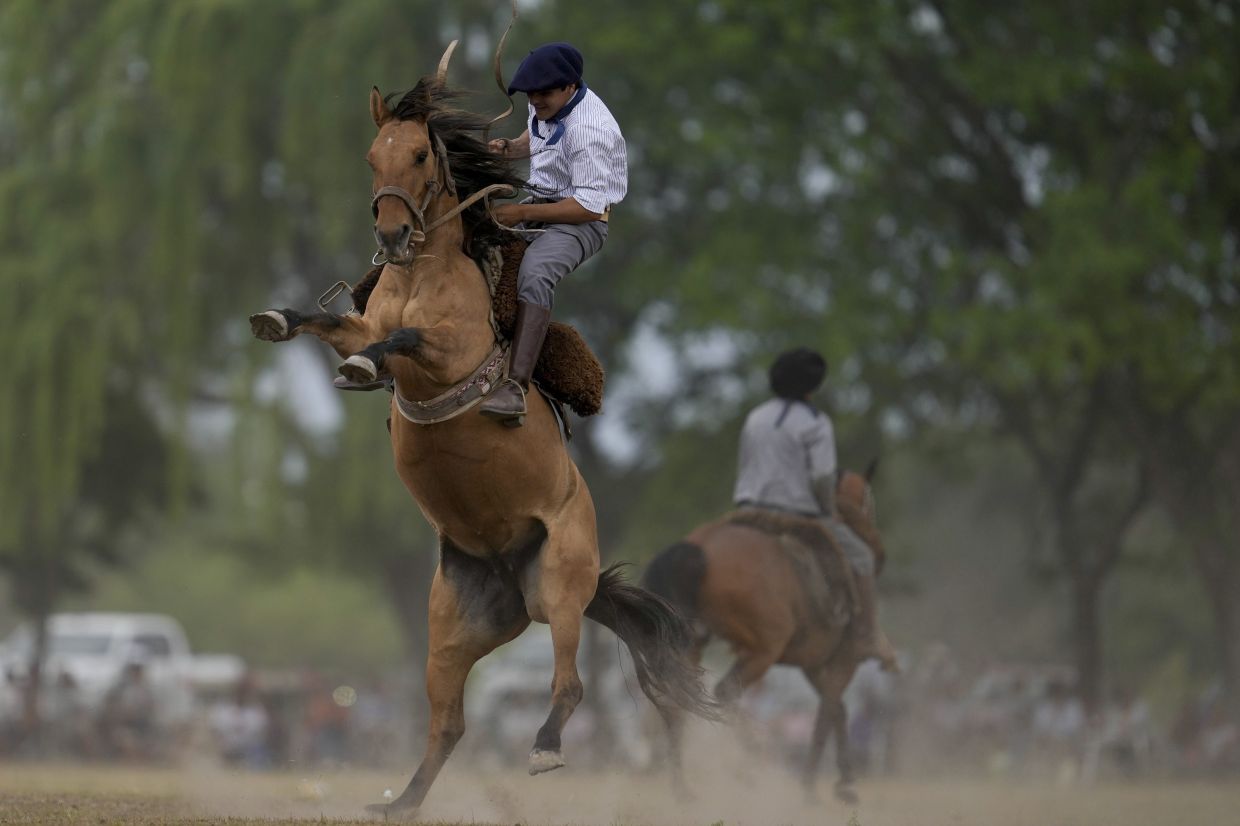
x=421, y=159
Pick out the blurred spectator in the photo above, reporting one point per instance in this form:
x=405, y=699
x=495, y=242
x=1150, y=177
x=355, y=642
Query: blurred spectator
x=10, y=712
x=372, y=732
x=71, y=726
x=1220, y=741
x=1059, y=719
x=872, y=700
x=1124, y=738
x=127, y=721
x=1207, y=738
x=326, y=723
x=241, y=726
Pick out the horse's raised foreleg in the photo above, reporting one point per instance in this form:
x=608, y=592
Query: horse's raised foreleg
x=829, y=681
x=345, y=334
x=460, y=635
x=364, y=364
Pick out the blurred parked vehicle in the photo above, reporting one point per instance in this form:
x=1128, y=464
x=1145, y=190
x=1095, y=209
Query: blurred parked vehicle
x=94, y=650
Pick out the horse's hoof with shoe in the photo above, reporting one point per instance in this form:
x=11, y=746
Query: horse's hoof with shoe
x=392, y=812
x=359, y=370
x=542, y=760
x=270, y=325
x=341, y=383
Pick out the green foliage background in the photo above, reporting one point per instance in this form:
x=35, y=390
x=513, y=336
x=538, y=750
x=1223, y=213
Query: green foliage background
x=1012, y=230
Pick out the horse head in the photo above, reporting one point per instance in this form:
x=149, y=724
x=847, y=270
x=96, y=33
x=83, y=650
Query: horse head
x=418, y=133
x=409, y=165
x=854, y=499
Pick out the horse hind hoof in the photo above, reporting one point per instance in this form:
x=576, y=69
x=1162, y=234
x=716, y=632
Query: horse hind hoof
x=359, y=370
x=542, y=760
x=845, y=793
x=270, y=325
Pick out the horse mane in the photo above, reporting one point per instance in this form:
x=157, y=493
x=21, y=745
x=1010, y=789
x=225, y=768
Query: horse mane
x=474, y=166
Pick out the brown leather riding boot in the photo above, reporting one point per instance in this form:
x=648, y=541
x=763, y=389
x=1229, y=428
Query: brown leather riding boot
x=507, y=402
x=870, y=642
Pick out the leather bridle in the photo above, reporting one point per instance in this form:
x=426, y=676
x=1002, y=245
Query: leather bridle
x=441, y=182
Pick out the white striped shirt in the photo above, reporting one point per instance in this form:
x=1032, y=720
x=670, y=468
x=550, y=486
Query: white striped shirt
x=588, y=164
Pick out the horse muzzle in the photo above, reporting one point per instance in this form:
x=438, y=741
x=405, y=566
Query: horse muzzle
x=397, y=245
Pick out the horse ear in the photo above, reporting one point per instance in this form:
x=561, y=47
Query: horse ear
x=871, y=470
x=379, y=109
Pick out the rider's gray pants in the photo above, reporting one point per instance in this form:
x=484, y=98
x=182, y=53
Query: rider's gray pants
x=858, y=553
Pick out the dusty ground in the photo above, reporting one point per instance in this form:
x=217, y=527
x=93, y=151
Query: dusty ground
x=105, y=795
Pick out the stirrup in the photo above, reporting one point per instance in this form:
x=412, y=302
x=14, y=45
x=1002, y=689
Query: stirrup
x=508, y=419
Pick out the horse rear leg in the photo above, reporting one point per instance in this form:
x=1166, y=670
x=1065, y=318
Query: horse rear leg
x=829, y=681
x=747, y=670
x=557, y=587
x=458, y=639
x=566, y=579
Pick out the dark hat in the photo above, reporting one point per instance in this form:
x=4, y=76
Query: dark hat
x=797, y=373
x=552, y=66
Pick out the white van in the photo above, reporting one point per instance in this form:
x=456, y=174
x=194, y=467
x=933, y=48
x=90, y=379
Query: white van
x=94, y=649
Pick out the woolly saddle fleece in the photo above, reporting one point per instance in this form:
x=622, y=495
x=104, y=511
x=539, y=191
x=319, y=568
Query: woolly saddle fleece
x=567, y=369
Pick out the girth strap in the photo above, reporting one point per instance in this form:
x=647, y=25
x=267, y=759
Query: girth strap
x=462, y=396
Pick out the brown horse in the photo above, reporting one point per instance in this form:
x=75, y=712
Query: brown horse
x=514, y=516
x=738, y=583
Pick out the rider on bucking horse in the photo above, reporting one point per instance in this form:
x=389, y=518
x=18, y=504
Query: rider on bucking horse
x=578, y=171
x=787, y=463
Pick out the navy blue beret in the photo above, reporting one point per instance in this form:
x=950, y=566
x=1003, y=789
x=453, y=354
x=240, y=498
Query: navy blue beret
x=552, y=66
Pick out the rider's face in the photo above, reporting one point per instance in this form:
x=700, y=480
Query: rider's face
x=548, y=102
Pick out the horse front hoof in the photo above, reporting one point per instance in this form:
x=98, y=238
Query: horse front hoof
x=359, y=370
x=845, y=793
x=542, y=760
x=270, y=325
x=391, y=811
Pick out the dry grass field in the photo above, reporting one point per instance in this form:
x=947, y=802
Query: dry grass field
x=52, y=794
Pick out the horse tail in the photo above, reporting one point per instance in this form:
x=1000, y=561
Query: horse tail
x=676, y=574
x=658, y=638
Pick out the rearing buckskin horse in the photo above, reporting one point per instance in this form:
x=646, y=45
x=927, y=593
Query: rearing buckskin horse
x=515, y=519
x=737, y=582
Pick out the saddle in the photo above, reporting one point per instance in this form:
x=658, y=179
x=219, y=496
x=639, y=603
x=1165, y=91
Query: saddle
x=567, y=371
x=828, y=577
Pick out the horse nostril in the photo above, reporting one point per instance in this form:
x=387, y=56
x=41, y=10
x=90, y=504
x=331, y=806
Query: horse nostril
x=405, y=230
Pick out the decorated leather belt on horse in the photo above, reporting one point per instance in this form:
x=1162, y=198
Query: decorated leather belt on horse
x=567, y=373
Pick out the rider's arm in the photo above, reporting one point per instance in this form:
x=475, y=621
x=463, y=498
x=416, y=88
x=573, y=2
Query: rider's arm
x=824, y=493
x=820, y=446
x=599, y=166
x=515, y=148
x=567, y=211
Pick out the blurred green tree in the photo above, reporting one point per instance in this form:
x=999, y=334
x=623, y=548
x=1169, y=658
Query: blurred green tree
x=989, y=218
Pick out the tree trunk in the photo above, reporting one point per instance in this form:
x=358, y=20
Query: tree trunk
x=31, y=718
x=1087, y=640
x=1223, y=588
